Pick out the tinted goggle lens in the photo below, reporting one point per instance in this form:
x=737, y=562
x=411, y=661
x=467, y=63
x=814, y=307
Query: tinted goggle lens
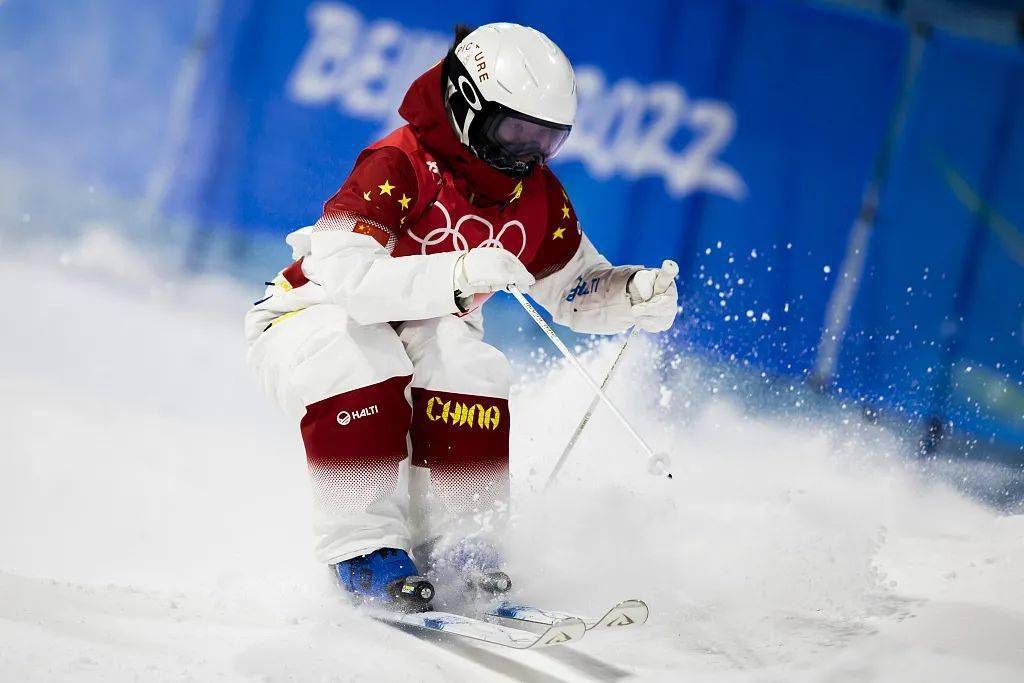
x=523, y=138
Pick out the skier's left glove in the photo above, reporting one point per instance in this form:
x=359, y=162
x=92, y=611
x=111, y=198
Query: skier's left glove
x=653, y=297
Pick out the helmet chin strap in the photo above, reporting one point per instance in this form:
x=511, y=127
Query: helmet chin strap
x=507, y=165
x=519, y=170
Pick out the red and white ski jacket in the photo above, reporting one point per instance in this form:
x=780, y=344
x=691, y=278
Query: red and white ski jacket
x=386, y=245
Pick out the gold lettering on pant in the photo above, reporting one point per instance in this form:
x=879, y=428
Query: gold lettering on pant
x=458, y=414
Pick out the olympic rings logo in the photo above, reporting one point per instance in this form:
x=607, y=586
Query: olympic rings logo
x=438, y=236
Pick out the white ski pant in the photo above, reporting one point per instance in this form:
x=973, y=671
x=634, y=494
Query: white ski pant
x=405, y=425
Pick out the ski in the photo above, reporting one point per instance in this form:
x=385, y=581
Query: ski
x=558, y=632
x=626, y=613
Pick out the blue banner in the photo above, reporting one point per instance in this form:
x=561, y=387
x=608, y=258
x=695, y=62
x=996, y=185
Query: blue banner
x=938, y=327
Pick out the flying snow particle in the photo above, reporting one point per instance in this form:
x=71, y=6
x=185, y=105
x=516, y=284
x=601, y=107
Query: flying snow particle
x=665, y=401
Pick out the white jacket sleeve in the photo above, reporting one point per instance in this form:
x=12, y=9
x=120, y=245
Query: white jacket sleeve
x=588, y=294
x=359, y=274
x=354, y=271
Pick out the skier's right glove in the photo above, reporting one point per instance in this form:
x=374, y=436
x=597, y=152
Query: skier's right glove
x=653, y=297
x=488, y=269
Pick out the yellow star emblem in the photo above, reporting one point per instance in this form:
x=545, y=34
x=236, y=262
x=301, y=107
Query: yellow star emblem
x=366, y=195
x=386, y=187
x=565, y=211
x=517, y=192
x=404, y=201
x=558, y=234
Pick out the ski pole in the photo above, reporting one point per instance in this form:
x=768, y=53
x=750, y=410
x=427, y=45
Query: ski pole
x=657, y=463
x=590, y=411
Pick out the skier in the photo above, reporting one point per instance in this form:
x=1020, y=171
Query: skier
x=372, y=337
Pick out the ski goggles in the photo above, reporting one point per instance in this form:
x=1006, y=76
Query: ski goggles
x=524, y=137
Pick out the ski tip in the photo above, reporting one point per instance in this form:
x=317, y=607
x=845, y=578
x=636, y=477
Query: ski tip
x=635, y=603
x=561, y=632
x=626, y=613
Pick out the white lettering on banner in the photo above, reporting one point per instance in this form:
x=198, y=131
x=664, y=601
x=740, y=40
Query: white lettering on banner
x=625, y=128
x=365, y=66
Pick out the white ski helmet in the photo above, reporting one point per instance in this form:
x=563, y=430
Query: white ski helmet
x=510, y=94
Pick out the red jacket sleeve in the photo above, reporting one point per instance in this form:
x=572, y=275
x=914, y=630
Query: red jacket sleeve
x=381, y=190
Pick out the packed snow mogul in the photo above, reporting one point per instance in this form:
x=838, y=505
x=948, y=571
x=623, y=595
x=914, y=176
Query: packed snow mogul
x=373, y=338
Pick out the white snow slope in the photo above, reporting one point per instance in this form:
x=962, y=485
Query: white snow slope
x=154, y=520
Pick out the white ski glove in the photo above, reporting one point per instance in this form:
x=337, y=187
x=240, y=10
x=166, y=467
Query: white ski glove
x=652, y=293
x=488, y=269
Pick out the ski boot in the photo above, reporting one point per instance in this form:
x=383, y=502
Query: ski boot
x=386, y=578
